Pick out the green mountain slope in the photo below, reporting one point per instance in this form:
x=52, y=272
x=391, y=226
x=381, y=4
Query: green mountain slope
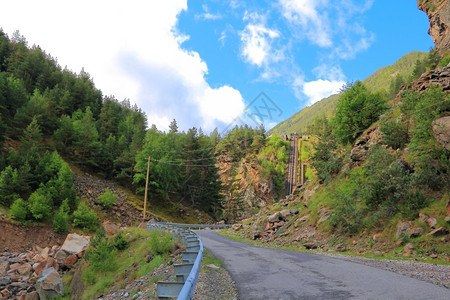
x=378, y=81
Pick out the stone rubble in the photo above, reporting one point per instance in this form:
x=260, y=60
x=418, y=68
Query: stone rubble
x=33, y=274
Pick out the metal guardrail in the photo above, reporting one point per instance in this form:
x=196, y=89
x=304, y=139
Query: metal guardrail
x=186, y=273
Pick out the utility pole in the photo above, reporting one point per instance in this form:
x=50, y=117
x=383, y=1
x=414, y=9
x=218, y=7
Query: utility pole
x=146, y=187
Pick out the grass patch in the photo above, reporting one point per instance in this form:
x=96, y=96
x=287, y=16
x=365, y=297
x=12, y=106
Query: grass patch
x=145, y=252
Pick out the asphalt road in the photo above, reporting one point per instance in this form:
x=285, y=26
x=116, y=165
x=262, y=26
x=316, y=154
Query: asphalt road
x=264, y=273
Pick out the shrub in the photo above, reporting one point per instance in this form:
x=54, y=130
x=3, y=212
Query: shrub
x=61, y=217
x=19, y=209
x=161, y=244
x=107, y=199
x=395, y=133
x=101, y=254
x=84, y=218
x=39, y=205
x=120, y=242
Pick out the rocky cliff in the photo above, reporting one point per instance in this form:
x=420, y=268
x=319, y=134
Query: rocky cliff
x=438, y=12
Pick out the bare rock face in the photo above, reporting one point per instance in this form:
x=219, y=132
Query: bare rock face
x=50, y=284
x=439, y=16
x=438, y=77
x=75, y=243
x=361, y=147
x=441, y=131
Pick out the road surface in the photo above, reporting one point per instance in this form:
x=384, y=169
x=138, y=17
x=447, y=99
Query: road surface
x=264, y=273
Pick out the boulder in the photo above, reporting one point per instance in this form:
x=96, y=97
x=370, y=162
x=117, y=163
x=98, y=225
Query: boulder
x=49, y=263
x=431, y=222
x=75, y=243
x=49, y=284
x=61, y=256
x=110, y=227
x=4, y=266
x=414, y=232
x=45, y=253
x=408, y=249
x=236, y=227
x=274, y=217
x=310, y=245
x=324, y=214
x=24, y=269
x=30, y=296
x=341, y=247
x=4, y=281
x=438, y=232
x=423, y=217
x=70, y=261
x=402, y=227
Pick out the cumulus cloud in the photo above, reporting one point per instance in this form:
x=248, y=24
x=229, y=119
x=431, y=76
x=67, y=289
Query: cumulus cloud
x=132, y=51
x=304, y=13
x=257, y=44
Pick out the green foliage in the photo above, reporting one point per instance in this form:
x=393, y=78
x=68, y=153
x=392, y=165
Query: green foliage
x=273, y=159
x=9, y=183
x=346, y=216
x=19, y=209
x=395, y=133
x=40, y=206
x=161, y=245
x=107, y=199
x=101, y=254
x=326, y=160
x=356, y=110
x=84, y=218
x=120, y=242
x=61, y=218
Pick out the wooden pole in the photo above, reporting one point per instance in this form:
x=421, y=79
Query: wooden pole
x=146, y=187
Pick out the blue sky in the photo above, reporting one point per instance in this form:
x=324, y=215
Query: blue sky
x=206, y=63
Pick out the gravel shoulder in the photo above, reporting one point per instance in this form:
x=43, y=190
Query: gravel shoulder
x=432, y=273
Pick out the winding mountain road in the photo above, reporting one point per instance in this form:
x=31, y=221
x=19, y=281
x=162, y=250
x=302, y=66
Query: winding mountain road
x=264, y=273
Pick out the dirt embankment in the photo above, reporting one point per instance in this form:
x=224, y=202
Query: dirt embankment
x=19, y=238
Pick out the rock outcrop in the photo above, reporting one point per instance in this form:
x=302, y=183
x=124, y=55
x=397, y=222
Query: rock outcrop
x=441, y=131
x=437, y=77
x=439, y=17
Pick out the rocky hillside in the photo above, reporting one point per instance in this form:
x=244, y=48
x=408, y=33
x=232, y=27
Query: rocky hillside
x=439, y=16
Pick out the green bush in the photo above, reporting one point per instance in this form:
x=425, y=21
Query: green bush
x=61, y=219
x=120, y=242
x=395, y=133
x=101, y=254
x=84, y=218
x=161, y=244
x=19, y=209
x=347, y=216
x=39, y=205
x=107, y=199
x=326, y=160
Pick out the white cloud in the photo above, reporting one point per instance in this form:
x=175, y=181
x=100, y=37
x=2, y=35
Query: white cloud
x=314, y=25
x=207, y=15
x=132, y=51
x=257, y=40
x=320, y=89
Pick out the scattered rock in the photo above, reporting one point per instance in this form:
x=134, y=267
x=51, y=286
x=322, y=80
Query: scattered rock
x=431, y=222
x=341, y=247
x=378, y=253
x=324, y=214
x=423, y=217
x=49, y=284
x=447, y=219
x=274, y=217
x=24, y=269
x=237, y=227
x=408, y=249
x=438, y=232
x=61, y=256
x=414, y=232
x=4, y=266
x=70, y=261
x=75, y=243
x=110, y=228
x=402, y=227
x=213, y=266
x=310, y=245
x=4, y=281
